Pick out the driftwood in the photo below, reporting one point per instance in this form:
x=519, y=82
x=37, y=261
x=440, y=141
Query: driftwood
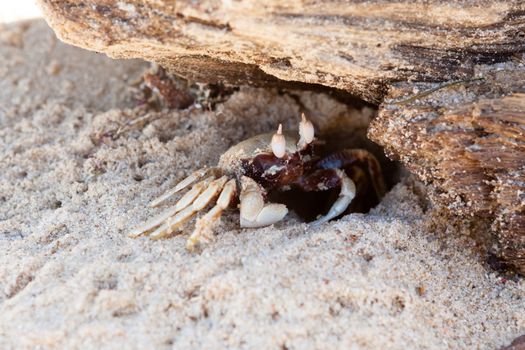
x=465, y=140
x=360, y=47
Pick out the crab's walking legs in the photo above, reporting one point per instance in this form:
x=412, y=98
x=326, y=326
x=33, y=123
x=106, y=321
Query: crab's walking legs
x=346, y=195
x=254, y=213
x=186, y=214
x=180, y=186
x=175, y=216
x=205, y=224
x=186, y=200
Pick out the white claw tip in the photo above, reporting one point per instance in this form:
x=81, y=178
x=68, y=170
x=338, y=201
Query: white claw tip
x=279, y=143
x=306, y=131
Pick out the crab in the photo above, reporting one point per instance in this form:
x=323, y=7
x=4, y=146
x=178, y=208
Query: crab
x=249, y=171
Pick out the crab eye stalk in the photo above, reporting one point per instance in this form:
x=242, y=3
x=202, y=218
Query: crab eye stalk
x=279, y=143
x=306, y=132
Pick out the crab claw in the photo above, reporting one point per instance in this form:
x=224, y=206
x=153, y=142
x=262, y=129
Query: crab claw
x=254, y=213
x=279, y=143
x=346, y=194
x=306, y=132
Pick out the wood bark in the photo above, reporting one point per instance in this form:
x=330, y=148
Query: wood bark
x=465, y=141
x=357, y=46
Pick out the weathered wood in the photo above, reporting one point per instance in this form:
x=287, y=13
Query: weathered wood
x=357, y=46
x=467, y=142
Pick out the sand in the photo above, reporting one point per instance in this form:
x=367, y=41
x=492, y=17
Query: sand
x=77, y=174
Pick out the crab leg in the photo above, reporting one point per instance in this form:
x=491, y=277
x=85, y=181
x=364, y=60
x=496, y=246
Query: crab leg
x=346, y=195
x=186, y=200
x=173, y=223
x=254, y=213
x=180, y=186
x=186, y=214
x=205, y=224
x=348, y=157
x=190, y=196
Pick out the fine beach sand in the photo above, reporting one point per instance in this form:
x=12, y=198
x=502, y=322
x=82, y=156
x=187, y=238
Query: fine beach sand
x=77, y=173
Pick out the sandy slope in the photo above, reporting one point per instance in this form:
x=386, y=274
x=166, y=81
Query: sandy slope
x=71, y=278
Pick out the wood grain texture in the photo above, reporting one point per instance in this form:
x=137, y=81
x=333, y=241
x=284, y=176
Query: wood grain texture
x=357, y=46
x=467, y=142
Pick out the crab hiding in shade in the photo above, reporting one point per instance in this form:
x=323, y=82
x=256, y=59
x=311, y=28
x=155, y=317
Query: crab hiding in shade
x=254, y=169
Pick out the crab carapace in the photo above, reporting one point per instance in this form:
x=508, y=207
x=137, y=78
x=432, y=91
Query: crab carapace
x=262, y=165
